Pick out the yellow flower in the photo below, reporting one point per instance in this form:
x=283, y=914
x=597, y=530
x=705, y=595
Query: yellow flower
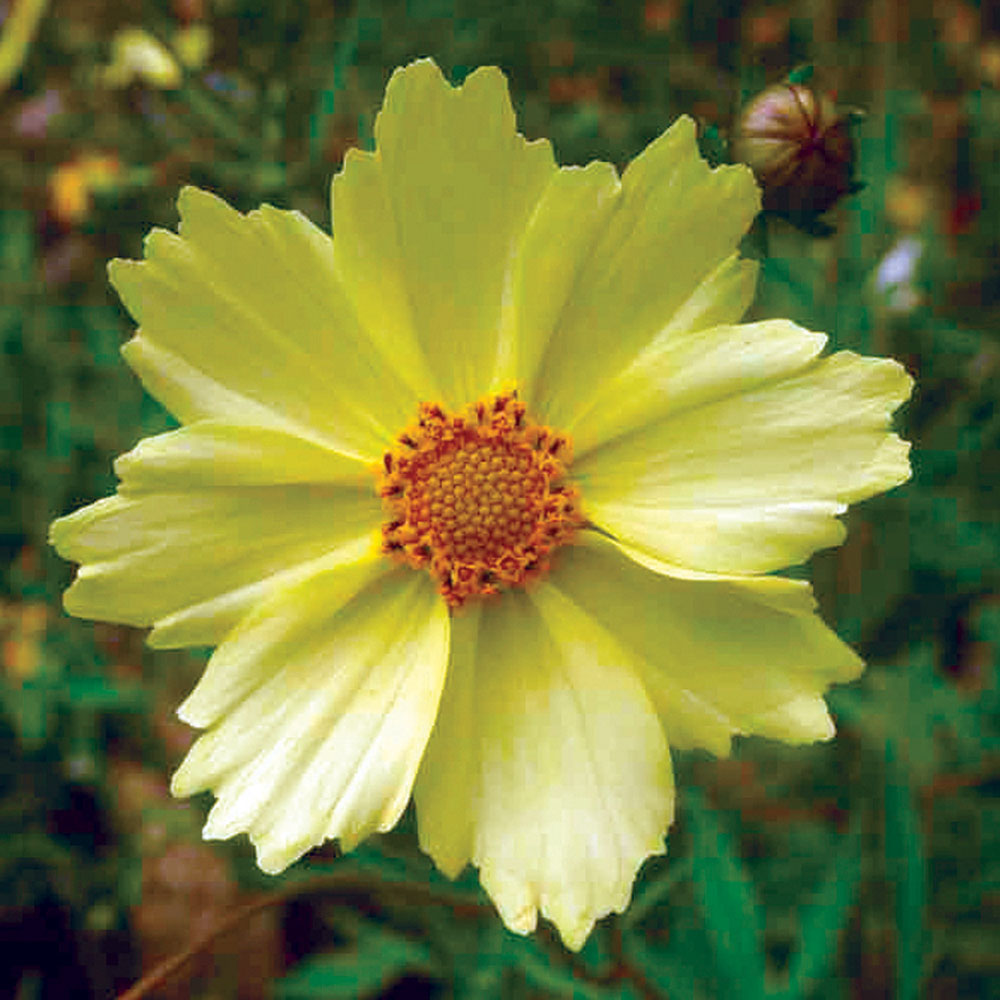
x=72, y=185
x=373, y=512
x=22, y=631
x=137, y=56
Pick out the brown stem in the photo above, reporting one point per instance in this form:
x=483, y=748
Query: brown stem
x=344, y=882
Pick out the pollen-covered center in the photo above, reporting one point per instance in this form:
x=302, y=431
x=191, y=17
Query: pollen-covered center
x=479, y=498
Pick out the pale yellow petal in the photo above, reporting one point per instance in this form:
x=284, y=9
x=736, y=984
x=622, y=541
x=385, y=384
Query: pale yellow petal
x=324, y=703
x=209, y=621
x=720, y=299
x=447, y=787
x=252, y=303
x=802, y=720
x=231, y=675
x=149, y=556
x=718, y=657
x=562, y=766
x=684, y=369
x=369, y=263
x=191, y=395
x=573, y=211
x=210, y=454
x=675, y=221
x=426, y=228
x=753, y=481
x=654, y=378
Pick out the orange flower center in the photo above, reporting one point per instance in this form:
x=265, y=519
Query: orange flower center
x=478, y=499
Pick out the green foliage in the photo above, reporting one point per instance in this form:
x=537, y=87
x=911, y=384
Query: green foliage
x=906, y=869
x=379, y=957
x=824, y=914
x=726, y=898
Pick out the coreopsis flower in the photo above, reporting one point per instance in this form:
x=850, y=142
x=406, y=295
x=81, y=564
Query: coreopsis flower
x=479, y=500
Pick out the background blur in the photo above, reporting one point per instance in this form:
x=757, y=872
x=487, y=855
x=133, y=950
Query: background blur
x=864, y=868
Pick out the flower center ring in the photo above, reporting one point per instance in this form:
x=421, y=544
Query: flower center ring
x=480, y=498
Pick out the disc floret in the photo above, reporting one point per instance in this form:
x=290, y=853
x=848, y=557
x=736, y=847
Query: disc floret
x=477, y=498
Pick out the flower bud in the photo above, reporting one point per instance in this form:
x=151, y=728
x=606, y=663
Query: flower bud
x=799, y=149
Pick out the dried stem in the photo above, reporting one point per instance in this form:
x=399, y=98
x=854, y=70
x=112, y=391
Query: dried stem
x=347, y=883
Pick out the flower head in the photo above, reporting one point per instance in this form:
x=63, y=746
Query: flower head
x=799, y=147
x=477, y=499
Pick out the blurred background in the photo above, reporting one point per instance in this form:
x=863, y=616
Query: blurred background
x=864, y=868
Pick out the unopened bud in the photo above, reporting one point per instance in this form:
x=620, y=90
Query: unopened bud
x=799, y=149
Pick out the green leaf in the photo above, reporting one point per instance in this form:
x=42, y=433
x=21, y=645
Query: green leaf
x=947, y=536
x=913, y=707
x=376, y=960
x=650, y=893
x=906, y=868
x=17, y=246
x=686, y=963
x=726, y=897
x=789, y=280
x=103, y=332
x=476, y=958
x=556, y=976
x=824, y=912
x=96, y=692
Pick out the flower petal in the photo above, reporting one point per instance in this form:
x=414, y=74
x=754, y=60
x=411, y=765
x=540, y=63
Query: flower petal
x=718, y=657
x=211, y=453
x=752, y=482
x=191, y=395
x=447, y=786
x=675, y=221
x=425, y=228
x=571, y=214
x=208, y=622
x=549, y=746
x=320, y=704
x=148, y=557
x=681, y=370
x=252, y=304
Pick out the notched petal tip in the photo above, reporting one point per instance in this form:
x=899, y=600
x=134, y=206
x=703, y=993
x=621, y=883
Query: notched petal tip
x=425, y=73
x=682, y=136
x=805, y=719
x=68, y=534
x=274, y=862
x=75, y=600
x=202, y=211
x=316, y=730
x=884, y=378
x=120, y=270
x=112, y=267
x=423, y=67
x=184, y=781
x=194, y=201
x=190, y=198
x=57, y=534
